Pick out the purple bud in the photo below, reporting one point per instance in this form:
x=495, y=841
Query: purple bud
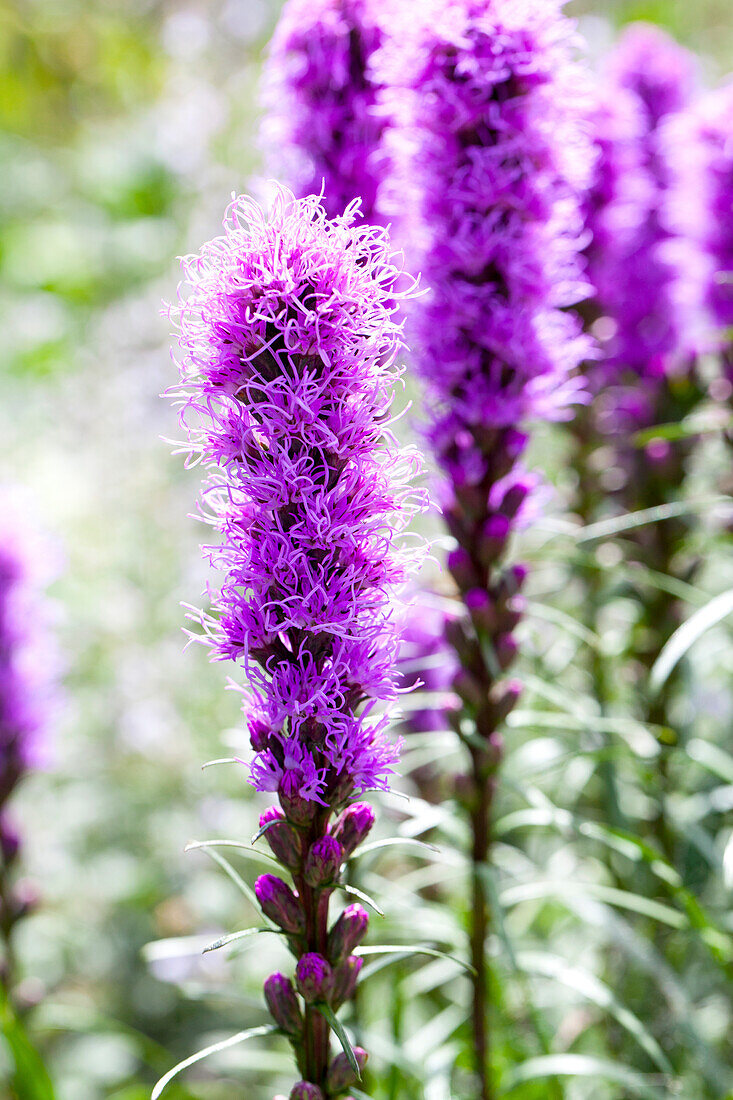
x=300, y=811
x=481, y=608
x=353, y=826
x=345, y=977
x=306, y=1090
x=283, y=1004
x=323, y=862
x=505, y=647
x=9, y=842
x=340, y=1074
x=468, y=688
x=283, y=839
x=258, y=734
x=347, y=933
x=314, y=978
x=492, y=540
x=514, y=498
x=462, y=568
x=280, y=904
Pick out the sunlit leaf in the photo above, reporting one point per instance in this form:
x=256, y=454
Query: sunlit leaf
x=233, y=1040
x=686, y=635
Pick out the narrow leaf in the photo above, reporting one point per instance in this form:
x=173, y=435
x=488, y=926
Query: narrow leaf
x=584, y=1065
x=338, y=1028
x=407, y=949
x=234, y=876
x=234, y=936
x=686, y=635
x=195, y=845
x=362, y=897
x=240, y=1037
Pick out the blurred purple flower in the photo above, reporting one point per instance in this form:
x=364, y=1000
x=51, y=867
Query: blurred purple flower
x=633, y=260
x=321, y=130
x=699, y=146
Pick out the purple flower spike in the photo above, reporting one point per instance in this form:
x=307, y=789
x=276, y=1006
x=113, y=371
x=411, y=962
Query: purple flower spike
x=699, y=147
x=634, y=260
x=323, y=862
x=314, y=977
x=320, y=98
x=288, y=345
x=280, y=904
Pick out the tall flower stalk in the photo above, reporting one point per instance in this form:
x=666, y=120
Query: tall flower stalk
x=647, y=316
x=288, y=345
x=484, y=101
x=321, y=132
x=28, y=668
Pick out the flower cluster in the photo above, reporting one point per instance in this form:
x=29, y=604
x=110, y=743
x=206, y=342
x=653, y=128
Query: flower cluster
x=288, y=344
x=699, y=148
x=28, y=670
x=486, y=105
x=634, y=261
x=319, y=95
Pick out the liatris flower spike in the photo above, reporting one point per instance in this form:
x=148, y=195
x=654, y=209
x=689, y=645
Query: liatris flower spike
x=635, y=272
x=28, y=691
x=486, y=134
x=320, y=123
x=699, y=148
x=288, y=344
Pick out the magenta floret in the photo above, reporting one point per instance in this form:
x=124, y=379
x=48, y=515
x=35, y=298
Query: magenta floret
x=288, y=343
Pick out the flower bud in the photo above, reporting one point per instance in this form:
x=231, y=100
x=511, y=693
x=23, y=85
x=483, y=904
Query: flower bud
x=306, y=1090
x=345, y=977
x=314, y=978
x=493, y=538
x=462, y=569
x=9, y=842
x=340, y=1074
x=323, y=862
x=283, y=1004
x=259, y=733
x=347, y=933
x=481, y=609
x=353, y=826
x=283, y=839
x=300, y=811
x=505, y=648
x=280, y=904
x=468, y=688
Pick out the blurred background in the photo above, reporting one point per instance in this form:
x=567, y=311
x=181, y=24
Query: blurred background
x=126, y=126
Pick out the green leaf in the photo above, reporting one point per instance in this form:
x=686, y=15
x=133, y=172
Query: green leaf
x=590, y=987
x=406, y=950
x=196, y=845
x=605, y=528
x=240, y=1037
x=234, y=936
x=338, y=1028
x=30, y=1079
x=583, y=1065
x=390, y=842
x=622, y=899
x=234, y=876
x=347, y=888
x=686, y=635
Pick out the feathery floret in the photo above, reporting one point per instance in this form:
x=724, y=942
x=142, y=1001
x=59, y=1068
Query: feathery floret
x=288, y=343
